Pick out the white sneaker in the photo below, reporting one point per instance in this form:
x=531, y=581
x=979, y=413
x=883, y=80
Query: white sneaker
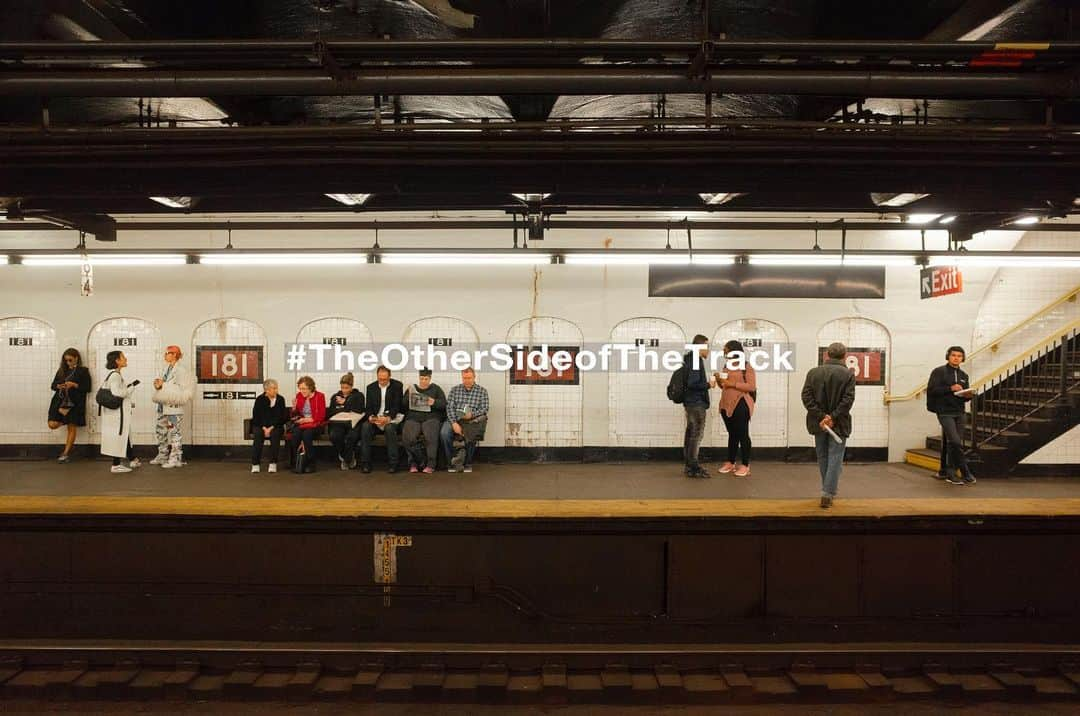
x=120, y=468
x=134, y=463
x=254, y=468
x=160, y=459
x=272, y=467
x=173, y=462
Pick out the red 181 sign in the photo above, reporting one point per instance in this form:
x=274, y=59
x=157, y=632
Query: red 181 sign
x=229, y=364
x=523, y=374
x=868, y=364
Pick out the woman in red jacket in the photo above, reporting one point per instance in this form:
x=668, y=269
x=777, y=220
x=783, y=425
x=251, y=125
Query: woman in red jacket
x=308, y=416
x=737, y=407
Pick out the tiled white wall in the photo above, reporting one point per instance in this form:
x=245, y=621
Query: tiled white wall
x=544, y=415
x=145, y=362
x=26, y=373
x=221, y=422
x=870, y=415
x=357, y=336
x=639, y=412
x=1013, y=296
x=768, y=427
x=463, y=337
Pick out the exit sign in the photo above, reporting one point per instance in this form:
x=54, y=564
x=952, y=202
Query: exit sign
x=937, y=281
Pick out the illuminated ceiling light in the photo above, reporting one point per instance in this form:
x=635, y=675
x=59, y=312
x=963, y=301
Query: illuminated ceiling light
x=304, y=259
x=3, y=260
x=719, y=198
x=896, y=199
x=832, y=260
x=921, y=218
x=1026, y=221
x=175, y=202
x=109, y=259
x=627, y=259
x=531, y=198
x=1005, y=260
x=947, y=219
x=465, y=259
x=350, y=199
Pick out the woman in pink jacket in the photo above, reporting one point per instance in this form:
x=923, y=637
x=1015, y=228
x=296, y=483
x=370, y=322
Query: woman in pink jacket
x=736, y=406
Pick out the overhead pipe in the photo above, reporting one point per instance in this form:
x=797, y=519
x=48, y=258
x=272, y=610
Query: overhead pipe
x=463, y=80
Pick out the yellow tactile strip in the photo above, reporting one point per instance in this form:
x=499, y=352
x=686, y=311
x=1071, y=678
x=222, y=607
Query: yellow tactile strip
x=531, y=509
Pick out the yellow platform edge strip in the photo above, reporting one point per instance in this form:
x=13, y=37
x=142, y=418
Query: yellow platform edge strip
x=953, y=505
x=1022, y=46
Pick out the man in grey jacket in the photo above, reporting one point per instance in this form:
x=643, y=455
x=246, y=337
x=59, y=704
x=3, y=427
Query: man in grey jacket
x=172, y=390
x=827, y=395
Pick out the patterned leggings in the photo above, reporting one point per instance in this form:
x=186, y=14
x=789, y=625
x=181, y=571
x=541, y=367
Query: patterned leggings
x=169, y=434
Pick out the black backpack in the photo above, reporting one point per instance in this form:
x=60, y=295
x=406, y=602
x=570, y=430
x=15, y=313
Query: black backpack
x=106, y=398
x=676, y=387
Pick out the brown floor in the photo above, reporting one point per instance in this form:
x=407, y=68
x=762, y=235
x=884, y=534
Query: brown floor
x=547, y=490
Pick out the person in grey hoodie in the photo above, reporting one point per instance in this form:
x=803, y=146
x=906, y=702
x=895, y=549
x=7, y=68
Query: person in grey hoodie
x=427, y=411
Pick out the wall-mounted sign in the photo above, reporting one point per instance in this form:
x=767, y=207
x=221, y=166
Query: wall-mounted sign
x=868, y=364
x=937, y=281
x=228, y=395
x=334, y=341
x=647, y=342
x=757, y=281
x=229, y=364
x=751, y=342
x=21, y=341
x=440, y=342
x=86, y=278
x=523, y=374
x=125, y=341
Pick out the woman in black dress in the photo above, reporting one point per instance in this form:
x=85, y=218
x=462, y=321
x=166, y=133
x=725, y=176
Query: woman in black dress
x=68, y=407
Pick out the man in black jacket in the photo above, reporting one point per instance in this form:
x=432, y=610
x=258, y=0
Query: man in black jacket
x=827, y=395
x=942, y=398
x=384, y=411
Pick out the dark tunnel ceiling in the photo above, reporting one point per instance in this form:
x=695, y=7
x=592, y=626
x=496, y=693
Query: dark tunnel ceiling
x=27, y=20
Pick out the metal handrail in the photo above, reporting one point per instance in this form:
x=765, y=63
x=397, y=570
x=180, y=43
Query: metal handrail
x=993, y=345
x=1047, y=342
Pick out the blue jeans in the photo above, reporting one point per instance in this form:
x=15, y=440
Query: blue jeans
x=446, y=435
x=830, y=460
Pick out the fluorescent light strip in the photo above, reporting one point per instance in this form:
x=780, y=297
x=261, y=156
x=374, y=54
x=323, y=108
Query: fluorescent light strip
x=3, y=260
x=1026, y=221
x=1006, y=261
x=630, y=259
x=307, y=259
x=104, y=259
x=833, y=260
x=174, y=202
x=455, y=259
x=920, y=219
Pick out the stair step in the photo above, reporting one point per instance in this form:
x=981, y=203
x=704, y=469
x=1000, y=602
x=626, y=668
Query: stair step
x=921, y=457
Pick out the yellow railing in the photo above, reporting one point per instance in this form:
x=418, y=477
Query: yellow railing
x=1046, y=343
x=994, y=345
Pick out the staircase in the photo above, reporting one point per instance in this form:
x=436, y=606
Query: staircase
x=1018, y=410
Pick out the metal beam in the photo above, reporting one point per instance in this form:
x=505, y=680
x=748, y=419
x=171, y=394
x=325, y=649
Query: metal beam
x=463, y=80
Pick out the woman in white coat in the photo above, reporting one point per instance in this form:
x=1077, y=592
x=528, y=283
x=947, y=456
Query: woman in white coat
x=116, y=424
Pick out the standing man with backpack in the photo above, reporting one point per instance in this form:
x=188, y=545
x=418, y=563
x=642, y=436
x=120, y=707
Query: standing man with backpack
x=947, y=395
x=690, y=385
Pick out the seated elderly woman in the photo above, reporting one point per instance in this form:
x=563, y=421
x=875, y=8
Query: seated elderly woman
x=268, y=418
x=307, y=417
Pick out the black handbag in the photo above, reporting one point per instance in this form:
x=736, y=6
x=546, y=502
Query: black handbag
x=300, y=462
x=106, y=398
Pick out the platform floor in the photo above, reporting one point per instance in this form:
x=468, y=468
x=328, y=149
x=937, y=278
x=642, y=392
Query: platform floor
x=520, y=491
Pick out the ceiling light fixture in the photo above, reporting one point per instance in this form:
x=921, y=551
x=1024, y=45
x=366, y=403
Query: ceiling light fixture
x=350, y=199
x=240, y=258
x=919, y=219
x=1026, y=221
x=519, y=258
x=719, y=198
x=531, y=198
x=104, y=259
x=832, y=260
x=902, y=199
x=175, y=202
x=1004, y=260
x=947, y=219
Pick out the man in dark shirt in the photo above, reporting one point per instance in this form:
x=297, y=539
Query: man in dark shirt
x=696, y=404
x=944, y=398
x=427, y=411
x=827, y=395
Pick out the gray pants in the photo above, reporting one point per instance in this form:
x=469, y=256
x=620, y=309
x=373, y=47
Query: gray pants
x=411, y=435
x=952, y=444
x=830, y=460
x=695, y=430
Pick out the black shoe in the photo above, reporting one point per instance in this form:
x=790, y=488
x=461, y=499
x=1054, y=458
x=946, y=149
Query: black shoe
x=826, y=502
x=365, y=468
x=941, y=474
x=392, y=469
x=954, y=480
x=969, y=479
